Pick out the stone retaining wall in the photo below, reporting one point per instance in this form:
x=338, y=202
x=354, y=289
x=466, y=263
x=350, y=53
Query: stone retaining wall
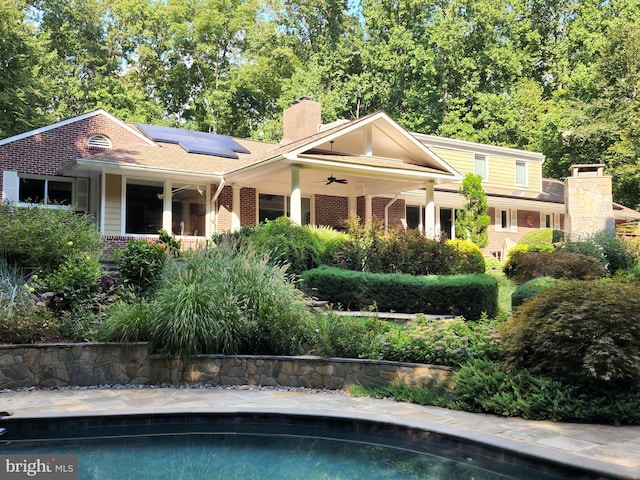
x=115, y=363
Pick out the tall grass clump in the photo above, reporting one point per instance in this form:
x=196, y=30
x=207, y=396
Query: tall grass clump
x=228, y=301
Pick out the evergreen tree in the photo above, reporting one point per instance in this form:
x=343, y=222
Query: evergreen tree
x=473, y=221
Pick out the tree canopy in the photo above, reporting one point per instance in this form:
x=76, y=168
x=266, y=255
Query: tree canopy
x=560, y=77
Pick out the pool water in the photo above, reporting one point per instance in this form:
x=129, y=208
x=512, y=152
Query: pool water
x=228, y=446
x=230, y=457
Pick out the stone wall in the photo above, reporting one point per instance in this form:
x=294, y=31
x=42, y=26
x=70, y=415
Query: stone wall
x=112, y=364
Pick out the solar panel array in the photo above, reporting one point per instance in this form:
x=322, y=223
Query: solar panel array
x=193, y=141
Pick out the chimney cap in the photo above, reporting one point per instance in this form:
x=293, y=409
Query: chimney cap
x=301, y=99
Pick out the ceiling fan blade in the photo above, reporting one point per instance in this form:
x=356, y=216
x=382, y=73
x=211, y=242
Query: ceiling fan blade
x=342, y=181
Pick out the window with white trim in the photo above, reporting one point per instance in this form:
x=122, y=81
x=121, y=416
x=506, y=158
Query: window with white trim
x=271, y=207
x=480, y=166
x=506, y=221
x=143, y=206
x=521, y=174
x=45, y=190
x=188, y=209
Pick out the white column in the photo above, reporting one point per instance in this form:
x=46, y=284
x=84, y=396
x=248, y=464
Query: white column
x=235, y=210
x=296, y=196
x=368, y=208
x=166, y=207
x=429, y=211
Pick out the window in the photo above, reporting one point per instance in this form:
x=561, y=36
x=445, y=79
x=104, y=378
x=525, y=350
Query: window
x=413, y=214
x=271, y=207
x=144, y=204
x=480, y=166
x=45, y=190
x=188, y=209
x=521, y=173
x=503, y=220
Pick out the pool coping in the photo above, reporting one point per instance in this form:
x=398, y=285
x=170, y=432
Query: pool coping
x=561, y=458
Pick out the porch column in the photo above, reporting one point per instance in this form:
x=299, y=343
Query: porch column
x=368, y=208
x=235, y=209
x=296, y=197
x=429, y=211
x=166, y=207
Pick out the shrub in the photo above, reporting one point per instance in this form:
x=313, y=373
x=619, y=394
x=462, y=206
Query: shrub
x=542, y=237
x=347, y=337
x=44, y=238
x=605, y=247
x=75, y=281
x=467, y=295
x=530, y=289
x=228, y=301
x=290, y=244
x=27, y=322
x=467, y=259
x=80, y=323
x=524, y=266
x=140, y=263
x=581, y=332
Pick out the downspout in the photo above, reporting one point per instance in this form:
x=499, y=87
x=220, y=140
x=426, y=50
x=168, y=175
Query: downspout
x=386, y=212
x=214, y=199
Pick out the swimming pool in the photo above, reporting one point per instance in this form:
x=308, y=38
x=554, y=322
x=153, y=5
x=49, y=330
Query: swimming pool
x=265, y=446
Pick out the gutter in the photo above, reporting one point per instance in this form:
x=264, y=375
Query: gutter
x=386, y=212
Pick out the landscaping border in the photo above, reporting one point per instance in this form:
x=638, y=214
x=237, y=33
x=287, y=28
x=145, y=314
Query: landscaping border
x=95, y=364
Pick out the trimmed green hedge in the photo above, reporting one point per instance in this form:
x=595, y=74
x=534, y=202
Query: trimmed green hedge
x=467, y=295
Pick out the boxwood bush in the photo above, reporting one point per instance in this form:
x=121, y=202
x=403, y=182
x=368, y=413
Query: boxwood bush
x=583, y=332
x=530, y=289
x=470, y=296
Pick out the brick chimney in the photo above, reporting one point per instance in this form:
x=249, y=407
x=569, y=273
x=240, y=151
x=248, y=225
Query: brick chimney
x=588, y=201
x=302, y=119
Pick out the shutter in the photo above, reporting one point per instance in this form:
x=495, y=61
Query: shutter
x=82, y=194
x=514, y=221
x=10, y=187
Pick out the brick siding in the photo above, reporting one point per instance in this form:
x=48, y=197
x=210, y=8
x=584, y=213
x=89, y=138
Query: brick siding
x=331, y=210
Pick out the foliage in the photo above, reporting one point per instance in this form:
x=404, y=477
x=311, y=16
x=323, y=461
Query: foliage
x=75, y=281
x=579, y=332
x=172, y=245
x=80, y=323
x=467, y=295
x=368, y=248
x=438, y=342
x=473, y=221
x=45, y=237
x=140, y=264
x=16, y=287
x=289, y=244
x=524, y=266
x=127, y=322
x=605, y=247
x=530, y=289
x=481, y=386
x=227, y=301
x=28, y=322
x=542, y=237
x=468, y=257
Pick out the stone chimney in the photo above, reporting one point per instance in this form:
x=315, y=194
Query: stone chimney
x=302, y=119
x=588, y=201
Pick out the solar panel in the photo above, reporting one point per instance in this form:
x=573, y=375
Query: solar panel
x=193, y=141
x=214, y=150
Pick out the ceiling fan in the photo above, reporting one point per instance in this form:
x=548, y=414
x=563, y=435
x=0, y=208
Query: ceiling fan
x=333, y=179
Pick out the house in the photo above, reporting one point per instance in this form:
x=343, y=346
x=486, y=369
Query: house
x=137, y=178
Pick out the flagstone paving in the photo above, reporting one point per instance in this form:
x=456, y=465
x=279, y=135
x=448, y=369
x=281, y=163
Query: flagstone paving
x=612, y=451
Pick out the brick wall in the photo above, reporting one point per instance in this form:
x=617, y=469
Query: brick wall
x=331, y=210
x=396, y=210
x=248, y=207
x=45, y=153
